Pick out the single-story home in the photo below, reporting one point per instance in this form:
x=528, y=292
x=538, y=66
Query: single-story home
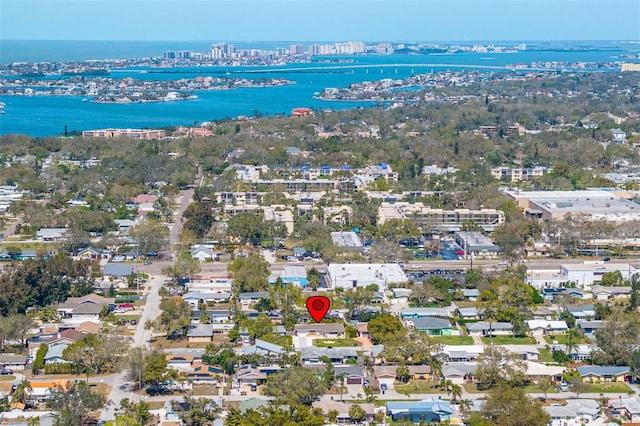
x=468, y=313
x=311, y=355
x=596, y=373
x=200, y=333
x=331, y=330
x=433, y=326
x=485, y=328
x=540, y=327
x=262, y=347
x=431, y=410
x=459, y=372
x=590, y=327
x=12, y=361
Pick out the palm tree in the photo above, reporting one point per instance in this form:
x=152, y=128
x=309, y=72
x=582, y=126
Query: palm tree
x=436, y=369
x=465, y=405
x=456, y=392
x=21, y=394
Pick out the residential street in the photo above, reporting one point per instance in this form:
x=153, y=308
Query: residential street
x=120, y=386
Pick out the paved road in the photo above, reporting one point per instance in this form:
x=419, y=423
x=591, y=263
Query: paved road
x=120, y=386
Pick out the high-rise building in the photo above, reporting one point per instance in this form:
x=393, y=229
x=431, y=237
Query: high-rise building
x=296, y=49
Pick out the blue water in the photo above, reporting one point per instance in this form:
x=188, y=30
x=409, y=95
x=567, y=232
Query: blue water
x=47, y=115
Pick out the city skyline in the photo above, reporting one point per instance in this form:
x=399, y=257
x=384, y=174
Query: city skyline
x=313, y=20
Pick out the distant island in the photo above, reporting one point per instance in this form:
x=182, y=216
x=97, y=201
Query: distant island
x=129, y=90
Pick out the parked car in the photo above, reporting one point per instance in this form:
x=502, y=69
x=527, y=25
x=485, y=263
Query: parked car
x=134, y=322
x=6, y=372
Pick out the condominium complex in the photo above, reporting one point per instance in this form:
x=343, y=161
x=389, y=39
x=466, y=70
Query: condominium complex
x=440, y=219
x=138, y=134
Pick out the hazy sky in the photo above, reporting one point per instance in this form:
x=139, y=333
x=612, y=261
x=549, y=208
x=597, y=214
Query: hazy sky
x=309, y=20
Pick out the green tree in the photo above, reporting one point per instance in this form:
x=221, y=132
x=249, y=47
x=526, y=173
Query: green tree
x=176, y=314
x=293, y=386
x=246, y=227
x=385, y=327
x=357, y=413
x=73, y=402
x=21, y=392
x=497, y=366
x=507, y=406
x=134, y=365
x=249, y=274
x=155, y=368
x=150, y=236
x=198, y=218
x=38, y=362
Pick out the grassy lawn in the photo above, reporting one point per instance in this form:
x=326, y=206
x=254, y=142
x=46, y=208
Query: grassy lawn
x=7, y=378
x=335, y=343
x=472, y=388
x=204, y=390
x=562, y=339
x=545, y=355
x=419, y=386
x=508, y=340
x=453, y=340
x=535, y=389
x=614, y=387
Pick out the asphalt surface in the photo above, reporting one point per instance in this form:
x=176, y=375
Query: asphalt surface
x=120, y=387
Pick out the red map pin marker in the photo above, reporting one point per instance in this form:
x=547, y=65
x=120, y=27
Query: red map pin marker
x=318, y=307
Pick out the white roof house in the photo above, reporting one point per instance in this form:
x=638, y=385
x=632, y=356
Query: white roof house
x=350, y=275
x=547, y=327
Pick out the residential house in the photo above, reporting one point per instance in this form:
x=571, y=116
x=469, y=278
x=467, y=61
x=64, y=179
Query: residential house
x=51, y=234
x=574, y=412
x=459, y=372
x=201, y=333
x=202, y=253
x=253, y=404
x=66, y=337
x=619, y=135
x=12, y=361
x=536, y=371
x=485, y=328
x=180, y=362
x=525, y=352
x=585, y=312
x=331, y=330
x=342, y=409
x=461, y=353
x=590, y=327
x=54, y=354
x=433, y=326
x=411, y=313
x=470, y=294
x=596, y=373
x=204, y=373
x=117, y=271
x=362, y=329
x=629, y=407
x=252, y=297
x=195, y=298
x=468, y=313
x=264, y=348
x=581, y=352
x=311, y=355
x=600, y=292
x=430, y=410
x=41, y=391
x=353, y=374
x=540, y=327
x=92, y=253
x=385, y=375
